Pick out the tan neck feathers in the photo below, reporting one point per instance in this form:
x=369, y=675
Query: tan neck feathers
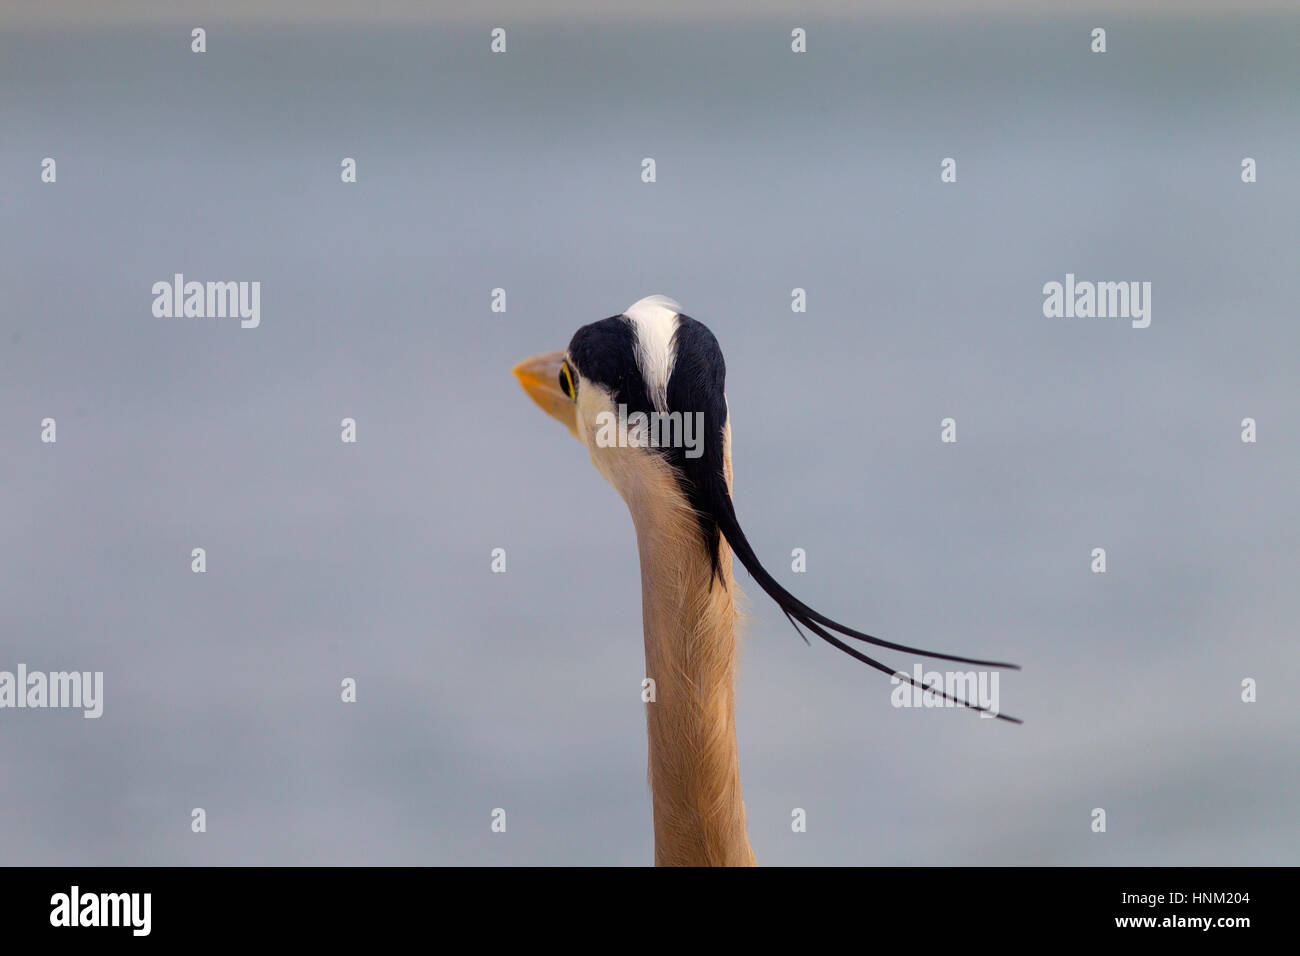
x=690, y=648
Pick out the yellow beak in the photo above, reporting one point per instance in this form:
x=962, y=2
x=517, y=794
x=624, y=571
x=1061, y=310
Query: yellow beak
x=540, y=377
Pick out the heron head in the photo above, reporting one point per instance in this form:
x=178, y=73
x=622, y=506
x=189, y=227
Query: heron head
x=643, y=390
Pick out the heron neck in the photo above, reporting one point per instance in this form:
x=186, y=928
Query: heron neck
x=689, y=622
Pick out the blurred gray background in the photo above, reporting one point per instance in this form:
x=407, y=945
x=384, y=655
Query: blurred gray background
x=479, y=690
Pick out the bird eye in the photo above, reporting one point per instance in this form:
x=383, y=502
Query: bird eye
x=567, y=384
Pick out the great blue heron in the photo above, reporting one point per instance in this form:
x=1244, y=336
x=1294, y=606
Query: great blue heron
x=624, y=385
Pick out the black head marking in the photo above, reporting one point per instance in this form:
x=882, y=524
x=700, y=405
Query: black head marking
x=605, y=352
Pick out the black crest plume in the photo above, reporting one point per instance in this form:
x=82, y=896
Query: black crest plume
x=698, y=384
